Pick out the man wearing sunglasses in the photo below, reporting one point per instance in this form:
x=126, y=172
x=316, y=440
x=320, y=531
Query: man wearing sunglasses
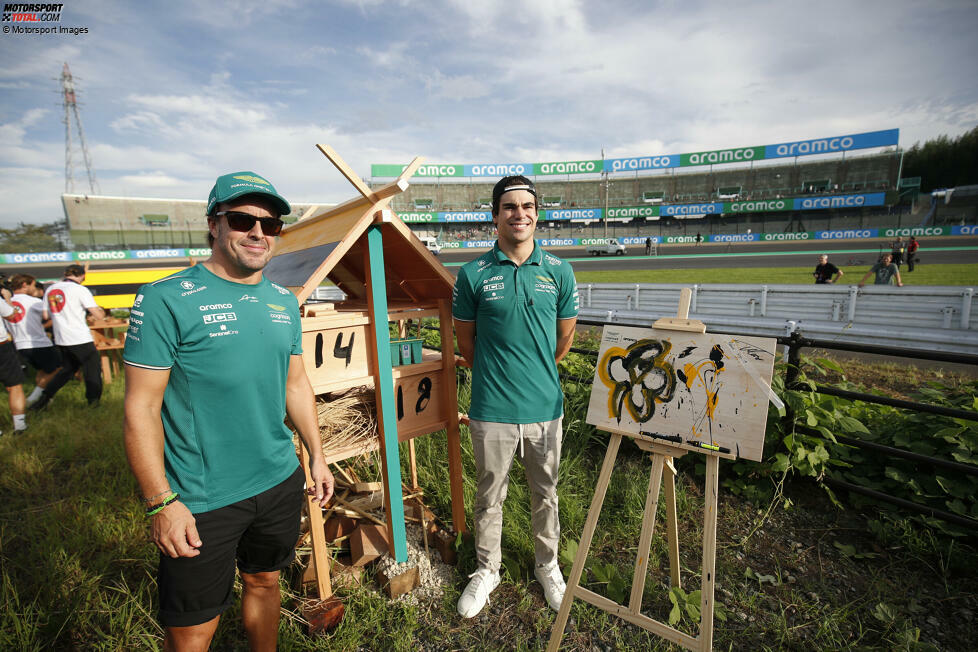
x=213, y=365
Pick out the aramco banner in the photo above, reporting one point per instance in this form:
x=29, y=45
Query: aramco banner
x=679, y=211
x=568, y=241
x=831, y=145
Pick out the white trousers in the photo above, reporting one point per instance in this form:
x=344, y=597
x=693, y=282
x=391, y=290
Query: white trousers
x=494, y=446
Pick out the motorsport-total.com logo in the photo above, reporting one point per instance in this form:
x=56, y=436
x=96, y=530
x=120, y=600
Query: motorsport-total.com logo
x=31, y=12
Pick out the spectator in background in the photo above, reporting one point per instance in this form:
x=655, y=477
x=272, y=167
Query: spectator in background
x=897, y=253
x=11, y=373
x=68, y=304
x=699, y=239
x=885, y=270
x=27, y=328
x=912, y=248
x=648, y=245
x=826, y=272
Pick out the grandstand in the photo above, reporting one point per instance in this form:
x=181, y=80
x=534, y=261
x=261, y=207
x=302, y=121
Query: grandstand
x=102, y=222
x=780, y=189
x=778, y=179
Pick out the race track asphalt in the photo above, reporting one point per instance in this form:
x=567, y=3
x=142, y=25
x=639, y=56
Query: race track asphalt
x=933, y=251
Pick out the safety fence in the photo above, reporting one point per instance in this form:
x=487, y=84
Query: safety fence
x=940, y=318
x=793, y=344
x=793, y=340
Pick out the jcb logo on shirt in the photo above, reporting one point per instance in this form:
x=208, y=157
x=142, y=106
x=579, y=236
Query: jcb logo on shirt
x=218, y=317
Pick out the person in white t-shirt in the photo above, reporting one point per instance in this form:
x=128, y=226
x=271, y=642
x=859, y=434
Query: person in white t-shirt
x=11, y=373
x=27, y=328
x=68, y=303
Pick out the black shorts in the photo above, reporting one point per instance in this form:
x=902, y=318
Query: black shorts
x=257, y=534
x=11, y=371
x=46, y=358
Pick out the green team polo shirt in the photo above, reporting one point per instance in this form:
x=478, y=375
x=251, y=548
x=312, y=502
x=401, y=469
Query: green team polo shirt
x=228, y=347
x=515, y=310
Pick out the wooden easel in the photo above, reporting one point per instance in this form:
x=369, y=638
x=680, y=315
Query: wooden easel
x=662, y=456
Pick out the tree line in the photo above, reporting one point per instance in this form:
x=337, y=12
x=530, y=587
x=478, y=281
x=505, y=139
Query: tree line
x=944, y=162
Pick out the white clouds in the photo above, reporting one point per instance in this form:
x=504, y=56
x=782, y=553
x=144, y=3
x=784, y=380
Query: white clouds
x=195, y=111
x=18, y=149
x=26, y=195
x=174, y=96
x=395, y=55
x=139, y=121
x=456, y=88
x=41, y=63
x=155, y=179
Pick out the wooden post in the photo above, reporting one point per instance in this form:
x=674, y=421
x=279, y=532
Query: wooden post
x=709, y=552
x=449, y=387
x=320, y=559
x=672, y=527
x=645, y=539
x=384, y=389
x=574, y=581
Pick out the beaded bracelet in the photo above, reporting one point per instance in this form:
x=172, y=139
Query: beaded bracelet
x=154, y=497
x=156, y=509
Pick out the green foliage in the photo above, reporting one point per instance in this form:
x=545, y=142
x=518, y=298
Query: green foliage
x=26, y=238
x=611, y=577
x=77, y=569
x=943, y=162
x=793, y=452
x=683, y=603
x=927, y=434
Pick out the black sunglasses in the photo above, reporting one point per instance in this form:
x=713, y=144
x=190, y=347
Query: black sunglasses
x=245, y=222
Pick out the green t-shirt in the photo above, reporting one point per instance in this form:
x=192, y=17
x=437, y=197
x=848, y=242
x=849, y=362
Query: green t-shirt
x=228, y=347
x=885, y=273
x=515, y=310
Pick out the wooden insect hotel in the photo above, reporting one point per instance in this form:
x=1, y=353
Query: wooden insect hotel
x=387, y=276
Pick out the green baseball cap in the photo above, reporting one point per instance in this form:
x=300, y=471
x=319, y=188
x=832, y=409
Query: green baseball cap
x=237, y=184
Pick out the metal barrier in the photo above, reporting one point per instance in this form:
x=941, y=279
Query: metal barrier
x=941, y=318
x=793, y=343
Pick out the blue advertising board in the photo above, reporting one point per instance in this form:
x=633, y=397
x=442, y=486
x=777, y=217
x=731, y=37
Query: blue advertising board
x=834, y=144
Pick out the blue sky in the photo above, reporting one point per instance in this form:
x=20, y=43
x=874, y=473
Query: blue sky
x=174, y=93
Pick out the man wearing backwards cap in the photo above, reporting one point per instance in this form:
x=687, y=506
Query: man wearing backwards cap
x=515, y=309
x=213, y=364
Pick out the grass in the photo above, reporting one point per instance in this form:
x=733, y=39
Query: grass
x=78, y=571
x=952, y=274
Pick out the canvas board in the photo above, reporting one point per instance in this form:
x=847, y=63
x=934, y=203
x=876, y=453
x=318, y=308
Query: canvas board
x=689, y=389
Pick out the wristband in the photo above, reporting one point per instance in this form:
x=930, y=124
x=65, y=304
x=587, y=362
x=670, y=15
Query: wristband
x=154, y=497
x=156, y=509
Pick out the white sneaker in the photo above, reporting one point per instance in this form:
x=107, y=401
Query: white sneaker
x=553, y=584
x=476, y=594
